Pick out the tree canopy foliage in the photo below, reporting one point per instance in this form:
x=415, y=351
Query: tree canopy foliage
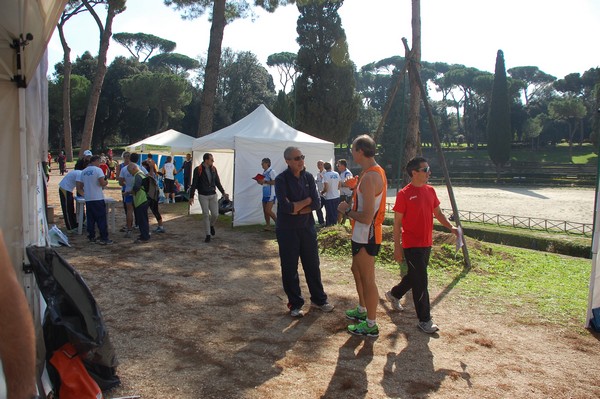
x=176, y=63
x=143, y=45
x=327, y=105
x=285, y=62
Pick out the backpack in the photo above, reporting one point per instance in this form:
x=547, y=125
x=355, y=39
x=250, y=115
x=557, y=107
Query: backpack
x=150, y=187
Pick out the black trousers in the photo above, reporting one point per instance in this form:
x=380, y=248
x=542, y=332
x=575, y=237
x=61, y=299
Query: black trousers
x=141, y=213
x=300, y=244
x=417, y=260
x=67, y=204
x=153, y=205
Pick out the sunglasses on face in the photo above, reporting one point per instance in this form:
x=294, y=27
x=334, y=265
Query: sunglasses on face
x=426, y=169
x=298, y=158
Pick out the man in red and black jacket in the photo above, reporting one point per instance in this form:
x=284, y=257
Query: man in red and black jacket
x=206, y=181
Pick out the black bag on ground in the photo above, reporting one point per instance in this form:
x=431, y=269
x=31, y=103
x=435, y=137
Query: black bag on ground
x=225, y=205
x=72, y=315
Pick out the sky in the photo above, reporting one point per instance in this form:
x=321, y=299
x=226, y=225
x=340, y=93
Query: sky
x=557, y=36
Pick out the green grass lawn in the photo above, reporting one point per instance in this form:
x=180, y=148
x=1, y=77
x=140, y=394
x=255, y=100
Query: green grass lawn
x=559, y=154
x=539, y=287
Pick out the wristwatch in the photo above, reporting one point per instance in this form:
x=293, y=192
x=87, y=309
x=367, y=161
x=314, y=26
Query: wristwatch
x=347, y=211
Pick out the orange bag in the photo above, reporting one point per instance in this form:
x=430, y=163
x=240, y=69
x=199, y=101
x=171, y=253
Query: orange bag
x=75, y=382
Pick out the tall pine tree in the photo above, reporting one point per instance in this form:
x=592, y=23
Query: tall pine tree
x=326, y=103
x=498, y=129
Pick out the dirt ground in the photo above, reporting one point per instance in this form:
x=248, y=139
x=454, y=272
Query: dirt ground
x=195, y=320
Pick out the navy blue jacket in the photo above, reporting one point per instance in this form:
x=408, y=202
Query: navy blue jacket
x=289, y=189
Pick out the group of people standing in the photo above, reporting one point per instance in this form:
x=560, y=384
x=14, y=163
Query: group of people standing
x=334, y=187
x=89, y=179
x=298, y=193
x=361, y=199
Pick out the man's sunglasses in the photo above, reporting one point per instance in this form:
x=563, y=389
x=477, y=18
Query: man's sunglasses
x=298, y=158
x=426, y=169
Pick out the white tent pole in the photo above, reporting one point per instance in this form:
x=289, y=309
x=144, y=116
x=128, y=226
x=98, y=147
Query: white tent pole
x=24, y=173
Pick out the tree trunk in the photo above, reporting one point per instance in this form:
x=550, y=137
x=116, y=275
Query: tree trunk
x=66, y=94
x=412, y=142
x=92, y=108
x=572, y=129
x=211, y=73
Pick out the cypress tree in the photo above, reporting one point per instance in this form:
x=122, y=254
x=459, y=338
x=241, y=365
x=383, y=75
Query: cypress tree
x=498, y=128
x=326, y=103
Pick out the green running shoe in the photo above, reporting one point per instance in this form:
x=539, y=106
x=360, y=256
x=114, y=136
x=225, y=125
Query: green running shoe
x=363, y=328
x=355, y=314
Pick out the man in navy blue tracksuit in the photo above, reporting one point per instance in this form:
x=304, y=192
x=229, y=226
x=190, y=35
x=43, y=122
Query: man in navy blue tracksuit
x=297, y=195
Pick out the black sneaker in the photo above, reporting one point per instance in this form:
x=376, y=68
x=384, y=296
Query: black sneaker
x=212, y=230
x=105, y=242
x=92, y=239
x=207, y=239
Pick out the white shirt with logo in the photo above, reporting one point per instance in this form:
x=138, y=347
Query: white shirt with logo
x=92, y=190
x=333, y=180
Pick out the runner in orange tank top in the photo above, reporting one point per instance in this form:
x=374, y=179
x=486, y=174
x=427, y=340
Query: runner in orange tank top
x=366, y=214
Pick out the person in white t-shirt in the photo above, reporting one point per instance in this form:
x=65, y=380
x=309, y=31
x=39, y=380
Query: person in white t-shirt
x=91, y=182
x=331, y=192
x=345, y=191
x=67, y=201
x=268, y=192
x=169, y=172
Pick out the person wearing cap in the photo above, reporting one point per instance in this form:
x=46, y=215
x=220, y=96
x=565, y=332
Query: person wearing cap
x=87, y=155
x=268, y=192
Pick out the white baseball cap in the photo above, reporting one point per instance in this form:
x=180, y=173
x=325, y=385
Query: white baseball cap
x=87, y=153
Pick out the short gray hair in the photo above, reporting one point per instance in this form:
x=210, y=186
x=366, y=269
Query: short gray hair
x=288, y=152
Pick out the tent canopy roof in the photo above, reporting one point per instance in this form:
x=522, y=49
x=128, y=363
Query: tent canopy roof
x=168, y=142
x=19, y=19
x=261, y=124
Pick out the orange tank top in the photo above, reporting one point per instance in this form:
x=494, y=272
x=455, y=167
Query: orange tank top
x=371, y=233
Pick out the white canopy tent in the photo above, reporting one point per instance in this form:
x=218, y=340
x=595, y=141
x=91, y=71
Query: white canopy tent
x=238, y=150
x=25, y=29
x=170, y=142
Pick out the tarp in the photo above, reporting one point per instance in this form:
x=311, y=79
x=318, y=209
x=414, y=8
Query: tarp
x=166, y=143
x=28, y=26
x=25, y=29
x=73, y=316
x=238, y=150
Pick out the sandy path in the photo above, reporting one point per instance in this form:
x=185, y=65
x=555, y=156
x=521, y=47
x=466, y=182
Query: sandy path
x=570, y=204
